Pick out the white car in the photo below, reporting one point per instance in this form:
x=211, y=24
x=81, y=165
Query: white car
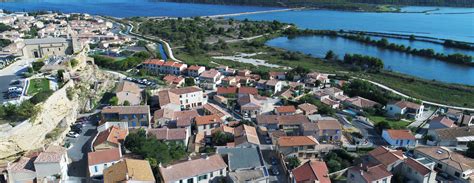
x=72, y=134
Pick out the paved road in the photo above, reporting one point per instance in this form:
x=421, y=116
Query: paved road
x=425, y=116
x=78, y=152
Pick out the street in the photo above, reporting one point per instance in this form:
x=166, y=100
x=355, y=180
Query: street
x=369, y=133
x=81, y=145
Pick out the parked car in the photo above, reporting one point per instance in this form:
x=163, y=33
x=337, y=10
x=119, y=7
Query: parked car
x=268, y=140
x=274, y=161
x=72, y=134
x=275, y=171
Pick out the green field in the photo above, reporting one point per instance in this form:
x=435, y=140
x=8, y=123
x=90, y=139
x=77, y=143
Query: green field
x=37, y=85
x=394, y=124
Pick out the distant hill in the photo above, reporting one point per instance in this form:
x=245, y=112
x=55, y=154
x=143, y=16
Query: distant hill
x=334, y=3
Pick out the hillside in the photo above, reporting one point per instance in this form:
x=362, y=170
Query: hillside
x=340, y=4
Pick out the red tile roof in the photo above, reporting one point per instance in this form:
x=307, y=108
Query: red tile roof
x=192, y=168
x=104, y=156
x=444, y=121
x=290, y=141
x=312, y=171
x=386, y=156
x=248, y=90
x=400, y=134
x=204, y=120
x=226, y=90
x=417, y=166
x=113, y=135
x=286, y=109
x=168, y=134
x=372, y=173
x=154, y=62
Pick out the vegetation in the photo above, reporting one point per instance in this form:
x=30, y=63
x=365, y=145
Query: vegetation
x=322, y=108
x=5, y=42
x=122, y=65
x=221, y=139
x=4, y=27
x=338, y=159
x=372, y=64
x=382, y=123
x=74, y=63
x=37, y=65
x=153, y=150
x=37, y=85
x=293, y=162
x=41, y=96
x=456, y=44
x=369, y=91
x=15, y=113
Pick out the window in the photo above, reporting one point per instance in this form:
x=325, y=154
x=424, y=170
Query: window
x=384, y=180
x=191, y=180
x=457, y=174
x=212, y=174
x=220, y=172
x=439, y=165
x=96, y=169
x=134, y=116
x=202, y=177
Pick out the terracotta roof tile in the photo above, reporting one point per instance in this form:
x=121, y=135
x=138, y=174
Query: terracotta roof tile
x=113, y=135
x=129, y=170
x=286, y=109
x=386, y=156
x=417, y=166
x=104, y=156
x=312, y=171
x=290, y=141
x=372, y=173
x=192, y=168
x=248, y=90
x=209, y=119
x=400, y=134
x=168, y=134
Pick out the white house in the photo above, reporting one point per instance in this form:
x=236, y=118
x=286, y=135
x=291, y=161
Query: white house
x=402, y=108
x=195, y=70
x=185, y=98
x=210, y=79
x=100, y=160
x=399, y=138
x=201, y=170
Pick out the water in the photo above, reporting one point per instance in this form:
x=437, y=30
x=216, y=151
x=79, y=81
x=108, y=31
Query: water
x=435, y=9
x=400, y=62
x=446, y=26
x=162, y=52
x=126, y=8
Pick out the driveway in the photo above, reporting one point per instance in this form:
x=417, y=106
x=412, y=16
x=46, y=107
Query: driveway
x=425, y=116
x=267, y=155
x=78, y=152
x=369, y=133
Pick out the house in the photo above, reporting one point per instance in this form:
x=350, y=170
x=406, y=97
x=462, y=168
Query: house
x=207, y=123
x=455, y=137
x=130, y=92
x=179, y=135
x=328, y=130
x=244, y=164
x=466, y=120
x=331, y=103
x=308, y=109
x=447, y=161
x=440, y=122
x=360, y=103
x=277, y=75
x=298, y=146
x=334, y=92
x=245, y=135
x=285, y=110
x=274, y=86
x=174, y=119
x=404, y=108
x=244, y=90
x=99, y=160
x=454, y=114
x=181, y=98
x=244, y=72
x=399, y=138
x=170, y=67
x=249, y=106
x=136, y=116
x=228, y=92
x=195, y=70
x=419, y=170
x=311, y=171
x=230, y=81
x=129, y=170
x=173, y=80
x=315, y=79
x=210, y=109
x=291, y=124
x=391, y=159
x=50, y=165
x=153, y=65
x=210, y=79
x=109, y=139
x=200, y=170
x=367, y=173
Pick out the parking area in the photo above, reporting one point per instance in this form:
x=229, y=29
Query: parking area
x=11, y=77
x=79, y=147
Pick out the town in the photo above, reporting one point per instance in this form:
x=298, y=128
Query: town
x=152, y=118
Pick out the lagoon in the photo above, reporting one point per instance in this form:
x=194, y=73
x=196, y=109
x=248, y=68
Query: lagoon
x=422, y=67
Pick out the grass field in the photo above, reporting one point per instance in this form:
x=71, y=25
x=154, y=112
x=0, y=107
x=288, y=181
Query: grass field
x=37, y=85
x=395, y=124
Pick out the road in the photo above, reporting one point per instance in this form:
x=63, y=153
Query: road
x=81, y=145
x=253, y=12
x=10, y=73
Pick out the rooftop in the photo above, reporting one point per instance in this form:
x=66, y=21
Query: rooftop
x=241, y=157
x=104, y=156
x=400, y=134
x=312, y=171
x=143, y=109
x=168, y=134
x=191, y=168
x=129, y=170
x=290, y=141
x=453, y=159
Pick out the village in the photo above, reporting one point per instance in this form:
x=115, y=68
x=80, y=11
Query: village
x=192, y=123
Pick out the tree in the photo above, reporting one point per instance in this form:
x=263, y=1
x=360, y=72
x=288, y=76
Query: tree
x=219, y=138
x=334, y=165
x=113, y=101
x=37, y=65
x=60, y=76
x=382, y=126
x=189, y=82
x=330, y=55
x=470, y=149
x=126, y=103
x=41, y=96
x=293, y=162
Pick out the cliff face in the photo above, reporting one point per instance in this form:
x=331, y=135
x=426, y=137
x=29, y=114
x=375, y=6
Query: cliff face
x=58, y=111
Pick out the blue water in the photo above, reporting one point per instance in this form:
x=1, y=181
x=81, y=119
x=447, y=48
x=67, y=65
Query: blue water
x=396, y=61
x=126, y=8
x=162, y=52
x=447, y=26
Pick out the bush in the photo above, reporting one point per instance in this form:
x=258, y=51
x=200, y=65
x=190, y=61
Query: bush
x=37, y=65
x=70, y=93
x=74, y=63
x=41, y=96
